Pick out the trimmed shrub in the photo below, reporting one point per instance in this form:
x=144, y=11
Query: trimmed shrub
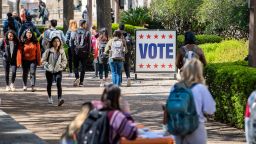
x=226, y=51
x=201, y=39
x=129, y=28
x=230, y=84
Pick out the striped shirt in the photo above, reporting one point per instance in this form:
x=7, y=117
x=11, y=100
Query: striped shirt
x=120, y=126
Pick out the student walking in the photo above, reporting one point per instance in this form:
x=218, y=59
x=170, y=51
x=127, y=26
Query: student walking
x=81, y=52
x=70, y=37
x=127, y=57
x=54, y=61
x=95, y=35
x=28, y=24
x=203, y=103
x=9, y=48
x=116, y=49
x=103, y=58
x=29, y=56
x=10, y=24
x=52, y=32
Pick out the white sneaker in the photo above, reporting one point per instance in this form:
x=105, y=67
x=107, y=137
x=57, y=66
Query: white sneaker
x=12, y=87
x=8, y=88
x=70, y=75
x=50, y=100
x=102, y=83
x=76, y=82
x=25, y=88
x=128, y=82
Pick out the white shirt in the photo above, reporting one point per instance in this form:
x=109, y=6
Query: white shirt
x=203, y=100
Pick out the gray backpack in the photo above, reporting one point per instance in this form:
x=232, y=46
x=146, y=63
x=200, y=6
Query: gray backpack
x=117, y=49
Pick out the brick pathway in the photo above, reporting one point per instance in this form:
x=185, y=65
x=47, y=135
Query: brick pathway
x=48, y=121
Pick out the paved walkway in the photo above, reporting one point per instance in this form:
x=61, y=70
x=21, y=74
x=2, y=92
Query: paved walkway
x=48, y=121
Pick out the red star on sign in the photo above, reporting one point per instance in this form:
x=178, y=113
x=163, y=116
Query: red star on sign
x=170, y=36
x=148, y=65
x=148, y=36
x=163, y=36
x=170, y=65
x=163, y=65
x=155, y=66
x=141, y=65
x=156, y=36
x=141, y=36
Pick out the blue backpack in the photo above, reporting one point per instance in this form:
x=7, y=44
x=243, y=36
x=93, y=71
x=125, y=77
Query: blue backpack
x=182, y=115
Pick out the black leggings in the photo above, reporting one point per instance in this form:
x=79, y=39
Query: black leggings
x=7, y=65
x=49, y=78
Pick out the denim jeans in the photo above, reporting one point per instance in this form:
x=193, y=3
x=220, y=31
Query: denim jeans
x=49, y=78
x=116, y=70
x=70, y=60
x=29, y=66
x=103, y=67
x=7, y=65
x=77, y=60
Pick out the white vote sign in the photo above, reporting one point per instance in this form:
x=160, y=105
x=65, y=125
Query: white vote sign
x=155, y=51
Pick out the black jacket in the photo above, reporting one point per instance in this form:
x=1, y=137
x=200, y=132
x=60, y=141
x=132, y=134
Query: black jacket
x=5, y=48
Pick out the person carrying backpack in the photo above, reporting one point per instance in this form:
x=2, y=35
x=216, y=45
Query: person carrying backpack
x=43, y=12
x=116, y=49
x=29, y=56
x=127, y=58
x=189, y=50
x=51, y=33
x=95, y=36
x=188, y=103
x=54, y=61
x=10, y=24
x=81, y=52
x=103, y=58
x=9, y=46
x=28, y=25
x=104, y=124
x=70, y=38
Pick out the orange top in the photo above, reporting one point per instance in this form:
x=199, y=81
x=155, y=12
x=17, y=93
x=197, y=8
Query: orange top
x=29, y=52
x=166, y=140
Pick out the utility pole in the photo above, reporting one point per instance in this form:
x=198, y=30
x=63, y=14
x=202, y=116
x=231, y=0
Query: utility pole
x=252, y=34
x=68, y=13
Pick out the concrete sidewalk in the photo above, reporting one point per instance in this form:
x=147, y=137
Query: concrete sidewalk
x=11, y=132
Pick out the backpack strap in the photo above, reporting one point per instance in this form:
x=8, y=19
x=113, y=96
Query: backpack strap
x=48, y=56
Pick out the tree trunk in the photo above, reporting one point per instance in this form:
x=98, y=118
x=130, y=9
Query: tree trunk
x=68, y=13
x=1, y=9
x=252, y=35
x=117, y=11
x=89, y=3
x=18, y=7
x=104, y=15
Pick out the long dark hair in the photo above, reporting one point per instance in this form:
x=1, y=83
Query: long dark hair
x=190, y=38
x=51, y=43
x=10, y=19
x=33, y=38
x=110, y=97
x=15, y=38
x=103, y=34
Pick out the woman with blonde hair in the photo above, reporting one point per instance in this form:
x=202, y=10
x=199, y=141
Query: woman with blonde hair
x=192, y=77
x=70, y=35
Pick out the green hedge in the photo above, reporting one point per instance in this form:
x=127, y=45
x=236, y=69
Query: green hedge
x=129, y=28
x=226, y=51
x=200, y=39
x=230, y=85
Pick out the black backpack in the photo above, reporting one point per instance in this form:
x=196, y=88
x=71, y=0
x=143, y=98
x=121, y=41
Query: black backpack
x=95, y=129
x=103, y=58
